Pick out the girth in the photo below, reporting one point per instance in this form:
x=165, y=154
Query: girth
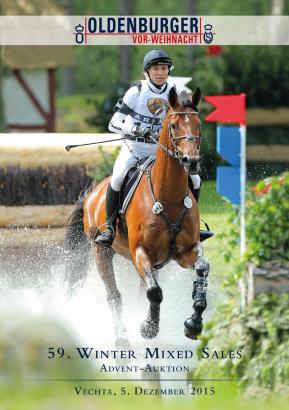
x=173, y=227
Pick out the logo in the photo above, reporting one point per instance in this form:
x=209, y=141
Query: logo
x=155, y=103
x=79, y=37
x=208, y=35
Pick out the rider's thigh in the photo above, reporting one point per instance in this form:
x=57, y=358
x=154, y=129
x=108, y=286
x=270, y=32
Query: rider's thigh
x=142, y=150
x=123, y=163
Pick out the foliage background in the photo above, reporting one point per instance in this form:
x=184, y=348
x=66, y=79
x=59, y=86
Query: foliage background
x=261, y=330
x=261, y=333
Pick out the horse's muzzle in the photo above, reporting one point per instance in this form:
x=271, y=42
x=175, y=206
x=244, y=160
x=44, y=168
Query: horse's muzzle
x=192, y=166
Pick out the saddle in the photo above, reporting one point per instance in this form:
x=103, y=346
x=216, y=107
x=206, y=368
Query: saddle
x=131, y=182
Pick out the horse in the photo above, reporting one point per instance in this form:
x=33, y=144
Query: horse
x=161, y=223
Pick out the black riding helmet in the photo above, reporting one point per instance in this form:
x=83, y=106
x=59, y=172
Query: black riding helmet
x=156, y=57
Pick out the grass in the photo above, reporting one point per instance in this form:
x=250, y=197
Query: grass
x=50, y=156
x=46, y=156
x=214, y=210
x=210, y=201
x=35, y=215
x=73, y=111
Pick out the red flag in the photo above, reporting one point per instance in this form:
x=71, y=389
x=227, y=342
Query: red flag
x=214, y=50
x=229, y=108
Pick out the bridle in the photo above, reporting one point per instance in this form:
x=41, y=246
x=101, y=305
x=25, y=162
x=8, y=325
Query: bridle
x=176, y=153
x=187, y=138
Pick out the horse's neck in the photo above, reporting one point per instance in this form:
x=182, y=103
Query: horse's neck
x=170, y=181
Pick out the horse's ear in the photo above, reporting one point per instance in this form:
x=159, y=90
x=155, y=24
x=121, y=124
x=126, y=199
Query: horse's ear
x=197, y=97
x=173, y=97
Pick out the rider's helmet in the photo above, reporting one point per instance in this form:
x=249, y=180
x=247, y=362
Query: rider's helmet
x=156, y=57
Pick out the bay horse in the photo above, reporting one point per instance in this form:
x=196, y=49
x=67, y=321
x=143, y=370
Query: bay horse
x=162, y=223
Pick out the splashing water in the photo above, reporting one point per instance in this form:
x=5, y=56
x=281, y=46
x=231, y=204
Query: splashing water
x=32, y=283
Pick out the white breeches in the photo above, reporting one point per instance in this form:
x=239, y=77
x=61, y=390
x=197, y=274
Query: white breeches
x=127, y=159
x=129, y=154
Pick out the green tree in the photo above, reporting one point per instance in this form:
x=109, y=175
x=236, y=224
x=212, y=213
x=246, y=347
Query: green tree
x=262, y=72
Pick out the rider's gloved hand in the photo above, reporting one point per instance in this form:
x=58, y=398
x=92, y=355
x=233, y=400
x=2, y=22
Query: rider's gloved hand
x=141, y=132
x=135, y=130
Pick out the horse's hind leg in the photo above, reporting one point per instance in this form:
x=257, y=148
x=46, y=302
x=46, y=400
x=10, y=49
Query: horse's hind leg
x=103, y=257
x=150, y=327
x=194, y=324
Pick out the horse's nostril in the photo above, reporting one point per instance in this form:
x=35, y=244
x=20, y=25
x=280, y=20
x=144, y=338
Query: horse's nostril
x=185, y=161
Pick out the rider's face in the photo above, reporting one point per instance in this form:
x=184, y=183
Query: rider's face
x=158, y=73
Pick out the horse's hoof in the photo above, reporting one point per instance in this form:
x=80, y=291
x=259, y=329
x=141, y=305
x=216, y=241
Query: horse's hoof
x=193, y=328
x=149, y=330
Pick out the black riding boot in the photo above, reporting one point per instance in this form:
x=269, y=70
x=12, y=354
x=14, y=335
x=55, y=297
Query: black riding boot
x=112, y=207
x=204, y=235
x=196, y=193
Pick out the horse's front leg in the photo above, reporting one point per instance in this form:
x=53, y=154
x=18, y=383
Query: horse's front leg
x=150, y=327
x=194, y=324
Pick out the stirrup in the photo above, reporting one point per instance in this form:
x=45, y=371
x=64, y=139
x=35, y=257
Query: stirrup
x=204, y=235
x=106, y=237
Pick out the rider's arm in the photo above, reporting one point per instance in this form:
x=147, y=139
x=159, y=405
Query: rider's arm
x=123, y=108
x=117, y=124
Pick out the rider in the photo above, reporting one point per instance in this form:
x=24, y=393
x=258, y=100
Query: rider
x=132, y=118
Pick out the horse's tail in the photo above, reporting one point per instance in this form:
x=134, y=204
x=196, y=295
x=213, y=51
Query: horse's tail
x=76, y=248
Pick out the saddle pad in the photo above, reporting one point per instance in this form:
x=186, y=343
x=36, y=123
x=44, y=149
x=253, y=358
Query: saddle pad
x=137, y=177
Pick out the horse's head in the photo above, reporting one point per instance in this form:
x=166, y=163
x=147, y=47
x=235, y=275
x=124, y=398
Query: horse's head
x=185, y=128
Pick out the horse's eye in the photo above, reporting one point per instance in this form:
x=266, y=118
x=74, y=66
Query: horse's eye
x=174, y=126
